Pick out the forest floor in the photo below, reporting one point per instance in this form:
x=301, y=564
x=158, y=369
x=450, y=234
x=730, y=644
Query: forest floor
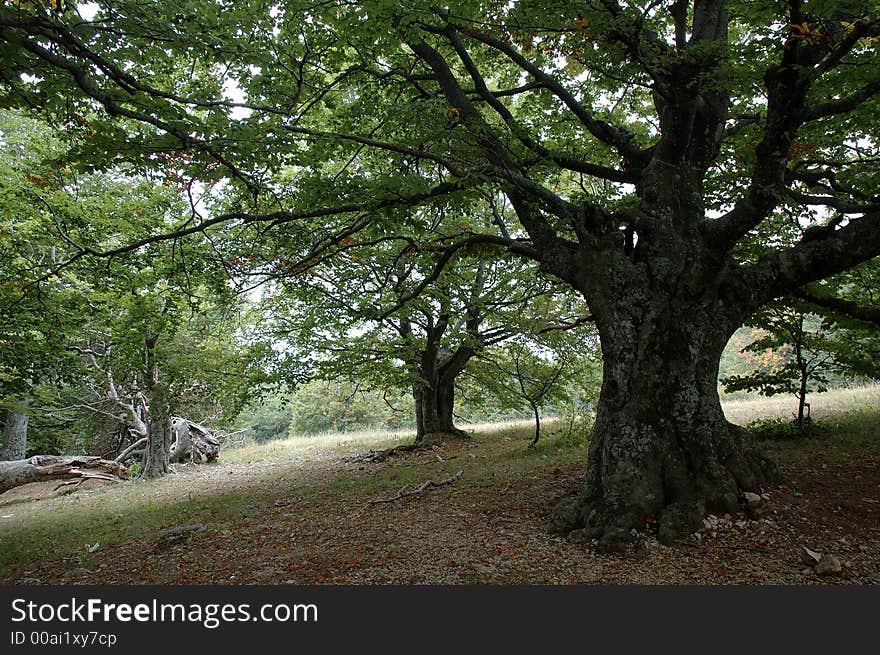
x=299, y=512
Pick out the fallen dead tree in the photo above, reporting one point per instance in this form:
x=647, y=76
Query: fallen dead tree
x=190, y=442
x=147, y=434
x=40, y=468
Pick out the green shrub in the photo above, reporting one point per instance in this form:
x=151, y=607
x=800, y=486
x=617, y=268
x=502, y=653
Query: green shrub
x=780, y=428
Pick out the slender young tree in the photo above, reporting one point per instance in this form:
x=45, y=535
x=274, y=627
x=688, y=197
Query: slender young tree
x=818, y=338
x=807, y=357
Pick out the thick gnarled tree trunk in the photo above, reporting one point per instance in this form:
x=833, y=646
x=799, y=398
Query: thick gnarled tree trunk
x=665, y=308
x=662, y=446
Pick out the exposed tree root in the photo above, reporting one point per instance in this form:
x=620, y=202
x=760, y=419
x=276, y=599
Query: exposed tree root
x=428, y=442
x=438, y=437
x=382, y=455
x=673, y=497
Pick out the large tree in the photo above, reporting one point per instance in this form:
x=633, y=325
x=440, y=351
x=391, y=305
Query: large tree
x=377, y=315
x=128, y=340
x=662, y=158
x=37, y=314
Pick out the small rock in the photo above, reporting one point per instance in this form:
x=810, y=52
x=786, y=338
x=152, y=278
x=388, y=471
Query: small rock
x=741, y=524
x=614, y=540
x=828, y=565
x=751, y=497
x=577, y=536
x=177, y=535
x=810, y=557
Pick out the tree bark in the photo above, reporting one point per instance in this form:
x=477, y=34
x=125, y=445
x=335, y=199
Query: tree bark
x=661, y=447
x=537, y=412
x=15, y=427
x=434, y=393
x=434, y=405
x=48, y=467
x=159, y=437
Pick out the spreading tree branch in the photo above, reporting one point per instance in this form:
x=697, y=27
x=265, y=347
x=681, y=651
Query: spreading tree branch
x=779, y=272
x=842, y=306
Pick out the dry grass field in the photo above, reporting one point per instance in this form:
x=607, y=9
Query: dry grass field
x=744, y=410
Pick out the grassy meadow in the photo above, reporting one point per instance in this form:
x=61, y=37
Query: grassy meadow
x=37, y=521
